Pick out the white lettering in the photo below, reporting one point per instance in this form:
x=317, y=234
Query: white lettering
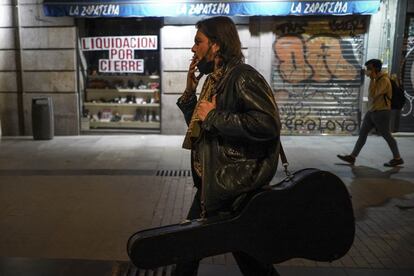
x=345, y=8
x=209, y=8
x=99, y=10
x=331, y=6
x=227, y=9
x=296, y=8
x=74, y=10
x=221, y=7
x=337, y=7
x=206, y=9
x=192, y=7
x=83, y=12
x=306, y=8
x=214, y=9
x=322, y=8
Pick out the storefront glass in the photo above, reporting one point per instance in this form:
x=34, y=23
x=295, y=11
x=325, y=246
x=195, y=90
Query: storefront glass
x=121, y=66
x=315, y=72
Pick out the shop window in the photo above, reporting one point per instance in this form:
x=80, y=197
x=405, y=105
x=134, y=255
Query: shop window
x=120, y=74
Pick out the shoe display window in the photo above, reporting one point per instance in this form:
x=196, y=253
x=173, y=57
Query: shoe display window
x=119, y=72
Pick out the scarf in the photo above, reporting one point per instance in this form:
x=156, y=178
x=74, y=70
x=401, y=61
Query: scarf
x=208, y=90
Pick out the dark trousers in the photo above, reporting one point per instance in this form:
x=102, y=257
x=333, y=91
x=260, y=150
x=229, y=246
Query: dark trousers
x=248, y=265
x=381, y=121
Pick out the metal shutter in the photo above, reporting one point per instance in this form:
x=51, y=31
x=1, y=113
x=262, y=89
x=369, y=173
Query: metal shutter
x=316, y=74
x=407, y=74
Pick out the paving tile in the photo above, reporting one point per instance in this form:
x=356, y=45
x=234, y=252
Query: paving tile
x=378, y=272
x=208, y=270
x=64, y=188
x=313, y=271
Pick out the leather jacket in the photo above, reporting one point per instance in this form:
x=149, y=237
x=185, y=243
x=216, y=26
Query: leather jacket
x=239, y=139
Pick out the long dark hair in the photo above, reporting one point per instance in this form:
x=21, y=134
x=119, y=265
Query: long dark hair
x=222, y=30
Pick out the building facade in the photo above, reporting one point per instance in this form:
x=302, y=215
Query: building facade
x=121, y=67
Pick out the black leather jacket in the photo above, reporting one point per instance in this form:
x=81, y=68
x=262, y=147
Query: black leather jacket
x=239, y=139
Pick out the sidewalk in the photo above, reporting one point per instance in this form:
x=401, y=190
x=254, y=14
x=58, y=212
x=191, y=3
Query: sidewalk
x=81, y=197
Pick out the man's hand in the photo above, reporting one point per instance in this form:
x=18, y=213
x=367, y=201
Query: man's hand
x=205, y=107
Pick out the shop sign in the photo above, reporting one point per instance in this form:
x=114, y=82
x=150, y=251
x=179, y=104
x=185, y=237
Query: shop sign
x=121, y=51
x=142, y=42
x=128, y=8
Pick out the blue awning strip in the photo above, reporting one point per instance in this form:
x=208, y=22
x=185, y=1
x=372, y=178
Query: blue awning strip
x=129, y=8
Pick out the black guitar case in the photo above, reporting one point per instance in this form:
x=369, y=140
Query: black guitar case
x=307, y=215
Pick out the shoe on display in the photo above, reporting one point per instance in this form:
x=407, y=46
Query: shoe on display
x=394, y=162
x=139, y=116
x=139, y=83
x=95, y=118
x=129, y=99
x=347, y=158
x=116, y=117
x=147, y=116
x=153, y=117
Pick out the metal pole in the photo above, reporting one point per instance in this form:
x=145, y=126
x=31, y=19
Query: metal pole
x=19, y=66
x=399, y=36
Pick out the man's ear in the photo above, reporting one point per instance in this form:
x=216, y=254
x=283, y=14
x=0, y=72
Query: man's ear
x=215, y=47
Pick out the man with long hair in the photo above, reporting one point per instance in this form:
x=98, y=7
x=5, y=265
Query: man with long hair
x=233, y=130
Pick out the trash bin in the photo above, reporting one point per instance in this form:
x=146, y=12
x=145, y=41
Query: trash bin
x=42, y=118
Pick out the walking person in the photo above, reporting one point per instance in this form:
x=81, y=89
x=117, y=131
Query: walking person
x=378, y=115
x=233, y=130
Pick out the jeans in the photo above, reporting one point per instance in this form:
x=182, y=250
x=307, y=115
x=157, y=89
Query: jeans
x=381, y=121
x=248, y=265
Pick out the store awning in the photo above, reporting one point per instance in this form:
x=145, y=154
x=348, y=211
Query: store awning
x=154, y=8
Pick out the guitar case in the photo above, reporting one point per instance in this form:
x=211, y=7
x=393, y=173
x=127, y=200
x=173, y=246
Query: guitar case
x=307, y=215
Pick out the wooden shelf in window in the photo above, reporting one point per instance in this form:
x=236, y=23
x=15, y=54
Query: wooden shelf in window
x=127, y=77
x=122, y=105
x=125, y=124
x=121, y=90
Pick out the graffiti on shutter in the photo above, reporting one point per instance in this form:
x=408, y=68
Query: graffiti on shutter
x=407, y=74
x=317, y=73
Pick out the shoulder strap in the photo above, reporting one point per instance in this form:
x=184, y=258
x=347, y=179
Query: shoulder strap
x=386, y=97
x=283, y=155
x=285, y=163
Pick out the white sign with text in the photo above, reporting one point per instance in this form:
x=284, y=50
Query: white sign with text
x=121, y=51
